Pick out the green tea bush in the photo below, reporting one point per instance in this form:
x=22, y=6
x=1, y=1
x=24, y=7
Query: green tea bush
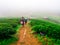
x=6, y=31
x=47, y=28
x=7, y=28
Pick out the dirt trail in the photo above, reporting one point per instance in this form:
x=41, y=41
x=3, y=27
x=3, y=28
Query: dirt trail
x=26, y=37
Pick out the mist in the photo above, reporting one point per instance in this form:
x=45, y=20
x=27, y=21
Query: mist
x=29, y=8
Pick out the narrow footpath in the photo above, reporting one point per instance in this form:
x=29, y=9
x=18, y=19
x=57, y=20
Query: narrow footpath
x=26, y=37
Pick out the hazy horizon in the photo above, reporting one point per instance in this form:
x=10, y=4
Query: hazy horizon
x=16, y=8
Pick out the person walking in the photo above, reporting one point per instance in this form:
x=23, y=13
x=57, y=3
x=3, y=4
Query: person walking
x=25, y=20
x=22, y=21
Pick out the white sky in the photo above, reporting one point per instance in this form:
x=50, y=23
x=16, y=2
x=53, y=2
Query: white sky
x=29, y=5
x=40, y=5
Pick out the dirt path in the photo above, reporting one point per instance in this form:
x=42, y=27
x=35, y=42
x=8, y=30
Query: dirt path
x=26, y=38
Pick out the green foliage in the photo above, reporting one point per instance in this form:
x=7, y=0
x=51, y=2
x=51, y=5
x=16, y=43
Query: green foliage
x=9, y=41
x=47, y=28
x=7, y=28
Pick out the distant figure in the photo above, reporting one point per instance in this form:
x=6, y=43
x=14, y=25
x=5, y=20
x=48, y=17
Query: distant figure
x=25, y=20
x=22, y=21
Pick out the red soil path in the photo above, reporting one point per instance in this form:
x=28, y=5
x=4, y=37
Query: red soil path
x=26, y=37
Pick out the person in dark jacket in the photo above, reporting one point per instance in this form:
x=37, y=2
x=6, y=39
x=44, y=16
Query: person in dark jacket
x=25, y=21
x=22, y=21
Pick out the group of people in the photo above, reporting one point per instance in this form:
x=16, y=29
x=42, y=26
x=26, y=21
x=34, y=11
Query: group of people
x=23, y=21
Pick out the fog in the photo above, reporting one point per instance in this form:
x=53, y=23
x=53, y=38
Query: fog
x=28, y=8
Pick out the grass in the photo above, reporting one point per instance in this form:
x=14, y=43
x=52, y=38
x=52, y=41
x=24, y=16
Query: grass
x=7, y=42
x=11, y=40
x=49, y=41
